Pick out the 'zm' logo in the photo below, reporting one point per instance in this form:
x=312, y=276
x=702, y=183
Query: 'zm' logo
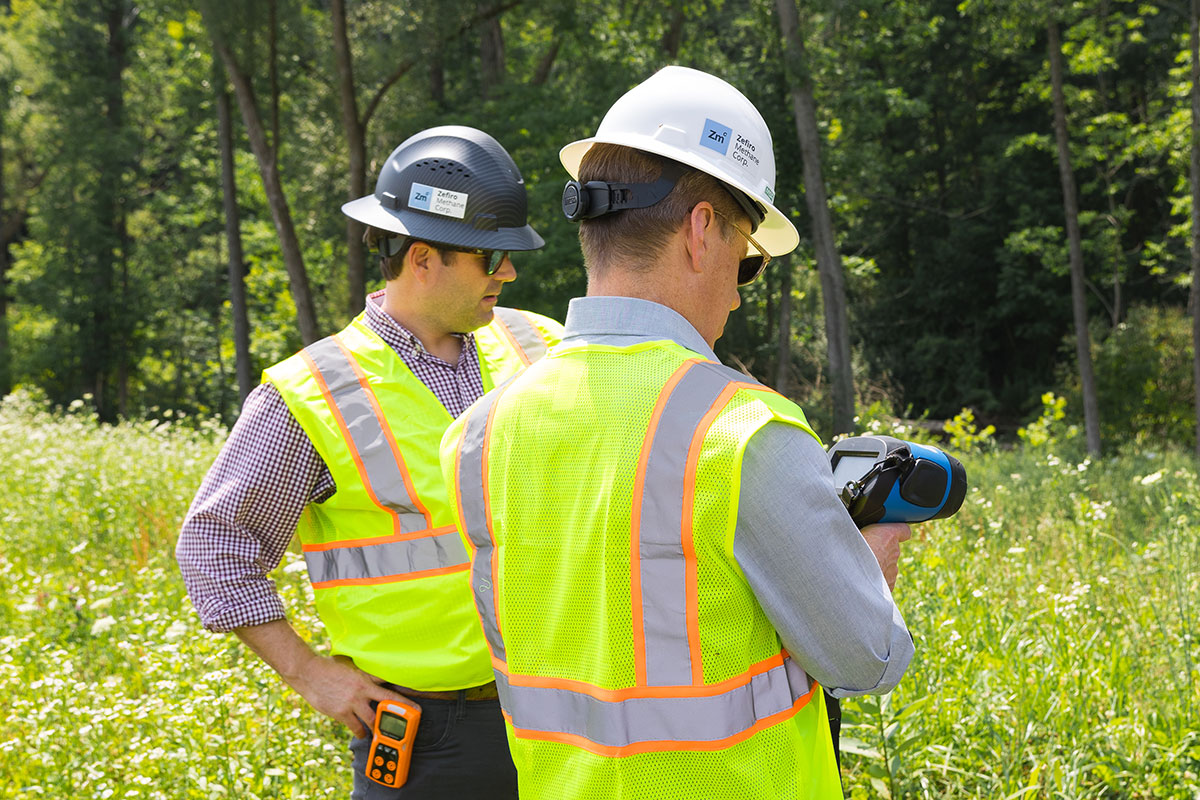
x=716, y=136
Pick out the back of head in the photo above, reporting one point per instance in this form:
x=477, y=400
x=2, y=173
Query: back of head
x=635, y=238
x=701, y=122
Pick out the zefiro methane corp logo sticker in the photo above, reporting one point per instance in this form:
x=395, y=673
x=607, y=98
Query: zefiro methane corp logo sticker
x=720, y=138
x=437, y=201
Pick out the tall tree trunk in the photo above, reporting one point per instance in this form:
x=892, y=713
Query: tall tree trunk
x=109, y=348
x=829, y=262
x=5, y=353
x=491, y=50
x=783, y=340
x=542, y=73
x=1083, y=348
x=233, y=238
x=437, y=78
x=1195, y=177
x=672, y=38
x=356, y=146
x=268, y=167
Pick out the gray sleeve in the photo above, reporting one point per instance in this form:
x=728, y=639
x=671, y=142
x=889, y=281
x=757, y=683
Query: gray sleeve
x=811, y=570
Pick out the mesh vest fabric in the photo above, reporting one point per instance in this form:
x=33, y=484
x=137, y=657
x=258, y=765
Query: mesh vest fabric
x=388, y=568
x=566, y=447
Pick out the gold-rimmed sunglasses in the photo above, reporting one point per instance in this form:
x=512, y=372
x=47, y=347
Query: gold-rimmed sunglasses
x=749, y=267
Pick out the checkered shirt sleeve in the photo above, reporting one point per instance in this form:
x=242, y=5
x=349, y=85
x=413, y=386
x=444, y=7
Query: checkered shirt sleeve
x=249, y=503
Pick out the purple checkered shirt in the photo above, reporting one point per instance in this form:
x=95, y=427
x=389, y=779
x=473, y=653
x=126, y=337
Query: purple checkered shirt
x=246, y=511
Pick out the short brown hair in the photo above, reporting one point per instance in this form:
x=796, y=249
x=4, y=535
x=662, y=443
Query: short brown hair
x=637, y=235
x=390, y=266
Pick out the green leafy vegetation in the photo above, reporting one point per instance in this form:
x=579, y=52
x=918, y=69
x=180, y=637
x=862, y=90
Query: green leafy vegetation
x=936, y=143
x=1055, y=616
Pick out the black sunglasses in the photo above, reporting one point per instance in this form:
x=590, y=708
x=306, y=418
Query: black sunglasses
x=492, y=259
x=397, y=245
x=749, y=267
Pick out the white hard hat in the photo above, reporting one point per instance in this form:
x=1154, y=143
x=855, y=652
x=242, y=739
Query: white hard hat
x=702, y=121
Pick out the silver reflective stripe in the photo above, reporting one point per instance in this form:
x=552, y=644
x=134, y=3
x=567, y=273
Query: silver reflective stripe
x=660, y=538
x=527, y=337
x=367, y=437
x=471, y=491
x=674, y=721
x=386, y=560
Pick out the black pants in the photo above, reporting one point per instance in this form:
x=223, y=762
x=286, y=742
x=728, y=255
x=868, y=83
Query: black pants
x=461, y=752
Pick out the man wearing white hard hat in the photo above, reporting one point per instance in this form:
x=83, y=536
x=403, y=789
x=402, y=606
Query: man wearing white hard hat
x=665, y=575
x=339, y=447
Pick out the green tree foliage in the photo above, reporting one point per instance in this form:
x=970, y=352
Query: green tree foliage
x=936, y=145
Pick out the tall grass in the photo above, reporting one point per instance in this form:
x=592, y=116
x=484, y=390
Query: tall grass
x=110, y=687
x=1055, y=619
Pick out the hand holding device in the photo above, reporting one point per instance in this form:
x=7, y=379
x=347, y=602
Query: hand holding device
x=392, y=738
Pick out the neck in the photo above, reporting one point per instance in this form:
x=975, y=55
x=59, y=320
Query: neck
x=398, y=304
x=663, y=283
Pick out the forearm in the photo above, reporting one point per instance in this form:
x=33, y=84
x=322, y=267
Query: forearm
x=332, y=686
x=278, y=644
x=245, y=513
x=811, y=570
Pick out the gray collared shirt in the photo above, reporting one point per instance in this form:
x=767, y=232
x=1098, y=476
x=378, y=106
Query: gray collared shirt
x=806, y=562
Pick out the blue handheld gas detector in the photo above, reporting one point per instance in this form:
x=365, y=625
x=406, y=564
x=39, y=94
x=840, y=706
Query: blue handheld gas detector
x=885, y=479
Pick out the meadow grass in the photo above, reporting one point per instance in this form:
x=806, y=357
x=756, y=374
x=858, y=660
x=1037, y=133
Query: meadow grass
x=111, y=687
x=1055, y=618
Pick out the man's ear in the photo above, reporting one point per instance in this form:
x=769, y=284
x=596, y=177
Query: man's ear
x=701, y=227
x=419, y=260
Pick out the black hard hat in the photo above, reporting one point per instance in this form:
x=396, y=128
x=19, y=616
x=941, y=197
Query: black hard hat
x=451, y=185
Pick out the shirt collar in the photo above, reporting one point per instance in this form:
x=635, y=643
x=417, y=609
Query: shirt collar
x=589, y=318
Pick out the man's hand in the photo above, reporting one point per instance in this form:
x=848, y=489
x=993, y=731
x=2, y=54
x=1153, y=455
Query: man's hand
x=333, y=686
x=338, y=689
x=884, y=541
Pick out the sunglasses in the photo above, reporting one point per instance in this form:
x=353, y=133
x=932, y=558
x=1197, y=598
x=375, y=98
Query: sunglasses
x=749, y=267
x=492, y=259
x=397, y=245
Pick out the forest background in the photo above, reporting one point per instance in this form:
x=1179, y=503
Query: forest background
x=995, y=204
x=937, y=247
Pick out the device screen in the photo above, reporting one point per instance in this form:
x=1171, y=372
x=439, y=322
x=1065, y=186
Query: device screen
x=851, y=466
x=393, y=725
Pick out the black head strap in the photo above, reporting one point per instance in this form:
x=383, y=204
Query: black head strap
x=597, y=198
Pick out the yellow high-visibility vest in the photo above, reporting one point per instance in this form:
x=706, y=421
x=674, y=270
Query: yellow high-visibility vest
x=387, y=564
x=598, y=491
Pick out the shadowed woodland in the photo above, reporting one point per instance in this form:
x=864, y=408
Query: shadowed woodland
x=995, y=199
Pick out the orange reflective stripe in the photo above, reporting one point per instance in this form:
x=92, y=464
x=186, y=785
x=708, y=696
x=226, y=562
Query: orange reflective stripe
x=487, y=506
x=402, y=576
x=525, y=338
x=638, y=619
x=632, y=692
x=345, y=431
x=384, y=559
x=387, y=430
x=686, y=533
x=661, y=745
x=474, y=510
x=398, y=537
x=513, y=342
x=686, y=718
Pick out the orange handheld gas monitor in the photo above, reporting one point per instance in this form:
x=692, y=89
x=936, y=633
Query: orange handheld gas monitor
x=391, y=742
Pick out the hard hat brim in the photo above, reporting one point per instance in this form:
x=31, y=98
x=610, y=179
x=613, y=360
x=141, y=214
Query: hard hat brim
x=436, y=228
x=776, y=233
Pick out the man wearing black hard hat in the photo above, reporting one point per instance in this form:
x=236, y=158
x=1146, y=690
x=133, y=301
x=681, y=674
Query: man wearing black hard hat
x=339, y=446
